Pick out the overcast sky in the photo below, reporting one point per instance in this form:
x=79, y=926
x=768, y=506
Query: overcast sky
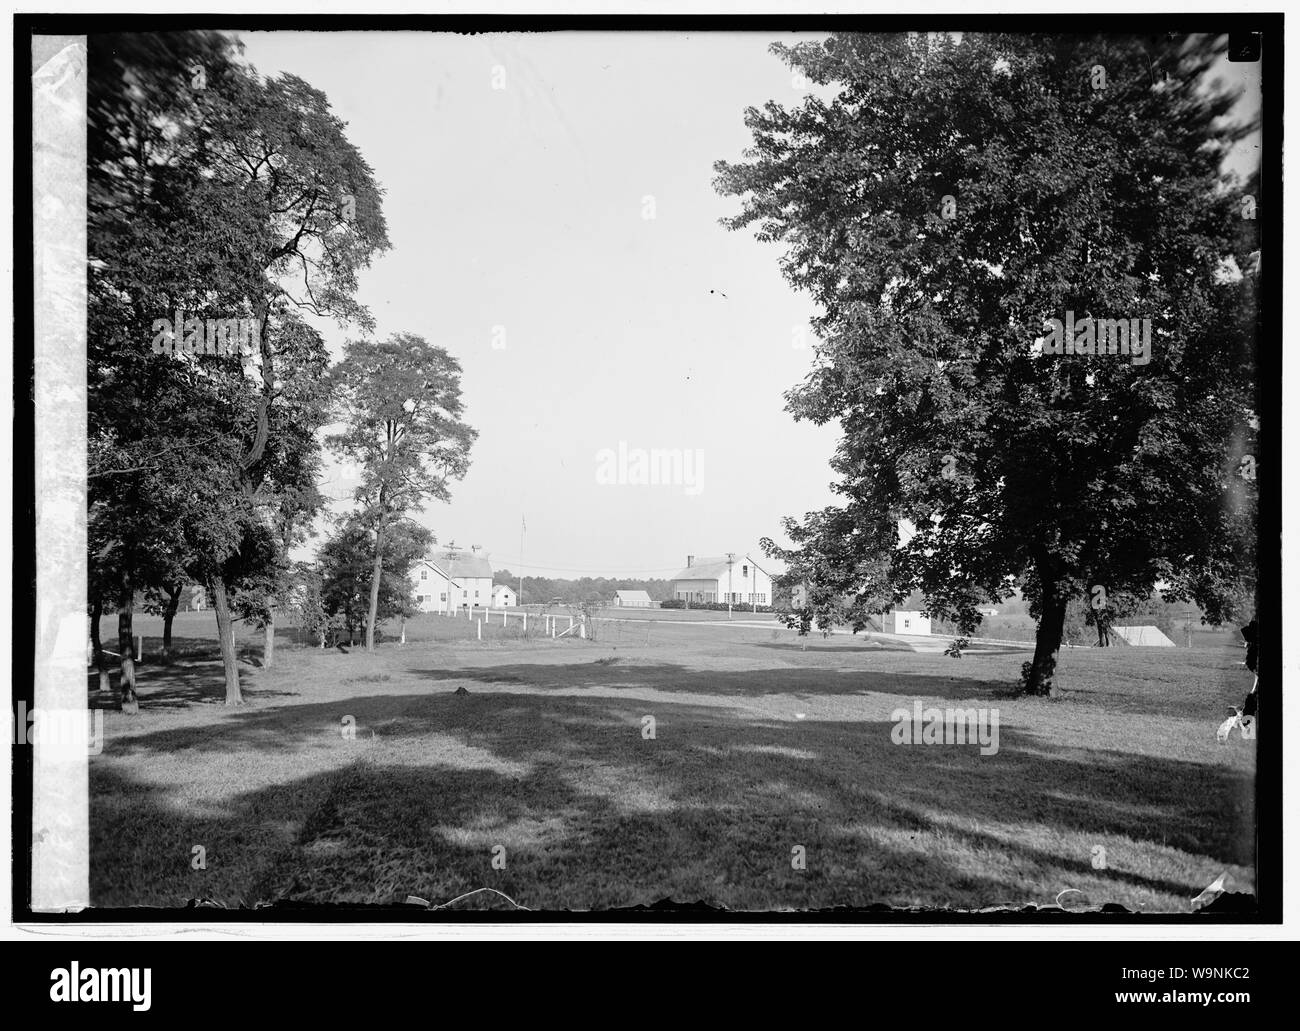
x=522, y=208
x=517, y=218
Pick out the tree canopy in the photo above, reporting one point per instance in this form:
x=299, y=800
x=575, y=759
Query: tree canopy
x=400, y=405
x=216, y=198
x=941, y=200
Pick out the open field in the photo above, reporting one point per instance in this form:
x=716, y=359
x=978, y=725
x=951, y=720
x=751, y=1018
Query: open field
x=759, y=746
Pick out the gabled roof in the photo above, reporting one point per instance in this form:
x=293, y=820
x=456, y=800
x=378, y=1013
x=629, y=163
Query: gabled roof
x=502, y=587
x=716, y=568
x=633, y=596
x=461, y=564
x=1143, y=636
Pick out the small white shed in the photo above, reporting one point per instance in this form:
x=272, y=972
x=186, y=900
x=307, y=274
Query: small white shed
x=906, y=621
x=632, y=599
x=503, y=597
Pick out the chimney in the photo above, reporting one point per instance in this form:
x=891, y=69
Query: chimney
x=690, y=561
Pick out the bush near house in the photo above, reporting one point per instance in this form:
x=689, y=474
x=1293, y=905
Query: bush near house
x=713, y=606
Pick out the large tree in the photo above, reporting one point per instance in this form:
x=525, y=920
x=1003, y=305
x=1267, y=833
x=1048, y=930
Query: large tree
x=942, y=198
x=277, y=147
x=219, y=195
x=346, y=576
x=148, y=432
x=400, y=405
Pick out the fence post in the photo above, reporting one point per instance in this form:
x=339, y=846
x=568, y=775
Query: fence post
x=479, y=624
x=525, y=621
x=139, y=647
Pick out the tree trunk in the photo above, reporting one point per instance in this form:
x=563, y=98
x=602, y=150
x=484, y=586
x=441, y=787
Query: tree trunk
x=1047, y=643
x=375, y=573
x=268, y=649
x=96, y=611
x=126, y=648
x=226, y=633
x=169, y=613
x=97, y=645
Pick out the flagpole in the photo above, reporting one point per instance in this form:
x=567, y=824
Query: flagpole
x=523, y=525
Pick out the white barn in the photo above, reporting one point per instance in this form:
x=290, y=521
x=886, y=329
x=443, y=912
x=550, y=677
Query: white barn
x=738, y=580
x=449, y=581
x=632, y=599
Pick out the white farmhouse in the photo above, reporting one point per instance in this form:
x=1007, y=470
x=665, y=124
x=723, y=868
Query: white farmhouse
x=737, y=579
x=449, y=581
x=503, y=597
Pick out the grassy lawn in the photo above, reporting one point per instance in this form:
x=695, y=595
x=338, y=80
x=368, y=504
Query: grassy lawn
x=759, y=746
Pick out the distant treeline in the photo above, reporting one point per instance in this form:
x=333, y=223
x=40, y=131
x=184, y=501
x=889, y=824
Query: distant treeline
x=538, y=590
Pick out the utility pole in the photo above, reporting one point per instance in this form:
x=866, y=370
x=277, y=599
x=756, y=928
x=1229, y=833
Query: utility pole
x=731, y=559
x=523, y=525
x=451, y=562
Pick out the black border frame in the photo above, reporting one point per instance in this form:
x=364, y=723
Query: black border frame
x=1268, y=783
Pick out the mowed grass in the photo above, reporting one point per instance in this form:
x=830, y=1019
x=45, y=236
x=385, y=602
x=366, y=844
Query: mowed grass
x=761, y=747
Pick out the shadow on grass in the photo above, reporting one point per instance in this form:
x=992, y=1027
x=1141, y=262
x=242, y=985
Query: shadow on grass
x=592, y=814
x=192, y=673
x=818, y=643
x=675, y=678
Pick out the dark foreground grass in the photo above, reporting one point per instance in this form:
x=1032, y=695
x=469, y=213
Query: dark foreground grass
x=760, y=749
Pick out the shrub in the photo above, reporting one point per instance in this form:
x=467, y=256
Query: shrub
x=715, y=606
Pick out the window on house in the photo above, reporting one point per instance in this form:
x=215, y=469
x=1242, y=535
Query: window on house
x=744, y=570
x=424, y=574
x=443, y=596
